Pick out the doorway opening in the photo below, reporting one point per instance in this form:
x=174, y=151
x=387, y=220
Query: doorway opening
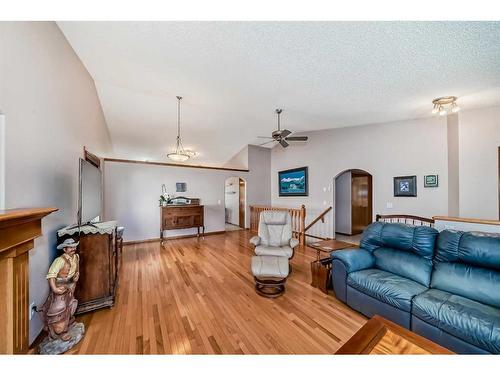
x=352, y=203
x=235, y=203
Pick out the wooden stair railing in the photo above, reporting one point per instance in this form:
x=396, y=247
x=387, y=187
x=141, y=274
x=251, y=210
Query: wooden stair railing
x=298, y=219
x=321, y=217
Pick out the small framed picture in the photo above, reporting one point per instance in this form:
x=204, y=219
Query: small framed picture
x=180, y=187
x=431, y=181
x=405, y=186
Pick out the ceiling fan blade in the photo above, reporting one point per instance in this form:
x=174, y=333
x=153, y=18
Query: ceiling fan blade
x=265, y=137
x=283, y=143
x=297, y=138
x=285, y=132
x=265, y=143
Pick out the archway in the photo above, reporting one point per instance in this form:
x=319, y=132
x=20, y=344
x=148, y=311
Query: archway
x=235, y=203
x=352, y=202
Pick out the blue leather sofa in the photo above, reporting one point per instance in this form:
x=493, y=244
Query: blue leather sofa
x=444, y=286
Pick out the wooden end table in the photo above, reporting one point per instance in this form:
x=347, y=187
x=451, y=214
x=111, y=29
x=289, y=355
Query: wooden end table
x=321, y=267
x=326, y=247
x=381, y=336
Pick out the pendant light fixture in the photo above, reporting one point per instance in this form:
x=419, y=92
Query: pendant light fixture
x=180, y=153
x=445, y=105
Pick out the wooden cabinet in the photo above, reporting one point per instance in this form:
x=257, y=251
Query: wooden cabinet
x=99, y=266
x=182, y=217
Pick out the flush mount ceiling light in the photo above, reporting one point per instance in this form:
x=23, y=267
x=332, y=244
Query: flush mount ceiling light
x=180, y=154
x=445, y=105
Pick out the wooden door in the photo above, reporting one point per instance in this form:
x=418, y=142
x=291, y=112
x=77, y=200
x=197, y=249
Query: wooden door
x=361, y=202
x=242, y=203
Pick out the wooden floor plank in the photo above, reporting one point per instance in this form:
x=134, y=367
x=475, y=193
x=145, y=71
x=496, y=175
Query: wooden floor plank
x=196, y=296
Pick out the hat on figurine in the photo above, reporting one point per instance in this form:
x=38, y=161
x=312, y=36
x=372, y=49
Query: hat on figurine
x=69, y=242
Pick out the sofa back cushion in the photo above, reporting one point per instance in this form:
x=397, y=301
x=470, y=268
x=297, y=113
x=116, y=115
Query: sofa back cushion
x=402, y=249
x=404, y=263
x=468, y=264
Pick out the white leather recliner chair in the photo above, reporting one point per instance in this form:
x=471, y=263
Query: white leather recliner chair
x=275, y=235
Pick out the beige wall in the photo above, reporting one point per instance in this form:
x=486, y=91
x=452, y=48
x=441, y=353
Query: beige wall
x=479, y=141
x=135, y=203
x=462, y=150
x=453, y=146
x=51, y=111
x=416, y=147
x=240, y=160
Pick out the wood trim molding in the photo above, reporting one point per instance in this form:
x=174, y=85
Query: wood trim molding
x=172, y=238
x=24, y=213
x=466, y=220
x=18, y=230
x=114, y=160
x=91, y=158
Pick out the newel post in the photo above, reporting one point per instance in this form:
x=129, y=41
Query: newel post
x=302, y=225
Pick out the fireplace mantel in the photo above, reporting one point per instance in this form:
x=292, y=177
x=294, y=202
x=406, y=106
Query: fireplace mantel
x=18, y=230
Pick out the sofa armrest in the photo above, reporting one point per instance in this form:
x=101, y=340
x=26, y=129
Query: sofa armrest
x=354, y=259
x=294, y=242
x=255, y=240
x=345, y=262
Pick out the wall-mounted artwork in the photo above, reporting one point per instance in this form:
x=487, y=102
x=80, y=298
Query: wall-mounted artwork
x=431, y=180
x=180, y=187
x=405, y=186
x=293, y=182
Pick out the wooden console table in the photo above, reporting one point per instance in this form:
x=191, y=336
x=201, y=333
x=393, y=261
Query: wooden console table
x=18, y=230
x=381, y=336
x=182, y=216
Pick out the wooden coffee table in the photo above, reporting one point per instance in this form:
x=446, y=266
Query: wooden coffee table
x=381, y=336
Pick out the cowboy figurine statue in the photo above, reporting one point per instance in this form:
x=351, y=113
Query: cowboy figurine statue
x=59, y=308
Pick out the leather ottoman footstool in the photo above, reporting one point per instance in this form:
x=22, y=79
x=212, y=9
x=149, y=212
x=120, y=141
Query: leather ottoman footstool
x=270, y=273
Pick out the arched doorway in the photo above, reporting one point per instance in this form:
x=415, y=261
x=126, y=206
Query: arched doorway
x=352, y=202
x=235, y=203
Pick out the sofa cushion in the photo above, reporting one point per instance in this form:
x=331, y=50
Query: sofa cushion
x=386, y=287
x=372, y=236
x=479, y=284
x=468, y=264
x=419, y=240
x=461, y=317
x=405, y=264
x=474, y=248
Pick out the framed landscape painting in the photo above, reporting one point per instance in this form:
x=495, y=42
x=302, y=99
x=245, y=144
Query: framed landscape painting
x=405, y=186
x=293, y=182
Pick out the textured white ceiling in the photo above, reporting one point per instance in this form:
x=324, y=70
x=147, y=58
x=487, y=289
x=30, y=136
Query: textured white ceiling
x=234, y=74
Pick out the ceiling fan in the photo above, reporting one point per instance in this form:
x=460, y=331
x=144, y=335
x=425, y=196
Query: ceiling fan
x=282, y=136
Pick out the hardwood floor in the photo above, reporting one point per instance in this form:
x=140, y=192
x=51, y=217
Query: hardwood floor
x=196, y=296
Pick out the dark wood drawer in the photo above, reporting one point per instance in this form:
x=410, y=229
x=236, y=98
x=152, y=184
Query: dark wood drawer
x=184, y=211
